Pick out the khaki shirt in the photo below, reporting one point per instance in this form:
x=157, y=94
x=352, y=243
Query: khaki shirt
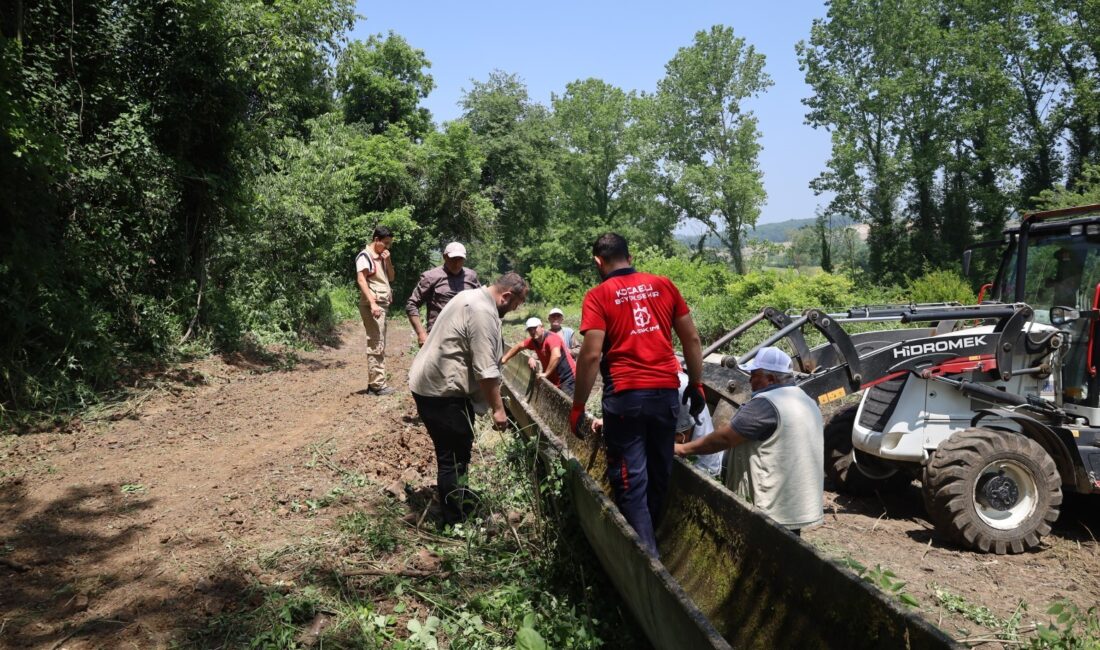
x=377, y=278
x=463, y=348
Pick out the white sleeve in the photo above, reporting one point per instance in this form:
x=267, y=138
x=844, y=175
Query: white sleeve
x=363, y=262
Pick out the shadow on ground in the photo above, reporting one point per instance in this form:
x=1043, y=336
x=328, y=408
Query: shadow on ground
x=68, y=581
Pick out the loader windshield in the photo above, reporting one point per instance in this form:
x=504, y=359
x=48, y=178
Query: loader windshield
x=1062, y=271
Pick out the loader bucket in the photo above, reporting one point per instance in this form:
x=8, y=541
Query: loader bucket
x=728, y=575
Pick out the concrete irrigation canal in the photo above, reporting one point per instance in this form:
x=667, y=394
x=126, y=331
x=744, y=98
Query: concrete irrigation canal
x=728, y=576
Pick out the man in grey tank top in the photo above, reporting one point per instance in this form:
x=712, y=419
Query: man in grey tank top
x=777, y=443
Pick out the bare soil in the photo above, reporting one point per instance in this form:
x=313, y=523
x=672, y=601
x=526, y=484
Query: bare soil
x=132, y=529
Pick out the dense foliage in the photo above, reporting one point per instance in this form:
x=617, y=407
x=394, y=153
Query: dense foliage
x=946, y=116
x=188, y=175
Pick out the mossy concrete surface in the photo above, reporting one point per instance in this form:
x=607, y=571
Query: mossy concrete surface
x=729, y=576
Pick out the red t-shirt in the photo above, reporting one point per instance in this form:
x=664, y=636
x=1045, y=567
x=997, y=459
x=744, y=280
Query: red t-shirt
x=567, y=367
x=635, y=311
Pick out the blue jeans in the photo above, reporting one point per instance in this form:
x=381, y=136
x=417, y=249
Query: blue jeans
x=639, y=427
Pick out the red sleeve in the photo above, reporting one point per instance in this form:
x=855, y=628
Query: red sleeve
x=592, y=314
x=529, y=343
x=679, y=306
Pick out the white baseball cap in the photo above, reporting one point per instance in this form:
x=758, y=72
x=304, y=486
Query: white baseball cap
x=455, y=249
x=533, y=322
x=770, y=359
x=557, y=311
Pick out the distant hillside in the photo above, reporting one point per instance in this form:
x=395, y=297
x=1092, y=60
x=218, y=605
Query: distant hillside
x=777, y=232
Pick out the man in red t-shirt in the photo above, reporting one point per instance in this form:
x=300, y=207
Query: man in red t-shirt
x=627, y=322
x=557, y=362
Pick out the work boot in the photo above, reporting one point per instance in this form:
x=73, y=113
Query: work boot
x=385, y=390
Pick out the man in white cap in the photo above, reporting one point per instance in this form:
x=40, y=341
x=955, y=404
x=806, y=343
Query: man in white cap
x=777, y=442
x=437, y=286
x=557, y=326
x=558, y=366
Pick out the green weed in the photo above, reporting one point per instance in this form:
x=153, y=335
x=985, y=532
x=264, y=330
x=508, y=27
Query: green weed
x=1072, y=628
x=883, y=578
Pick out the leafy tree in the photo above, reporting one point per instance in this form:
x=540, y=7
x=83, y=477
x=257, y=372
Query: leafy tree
x=130, y=134
x=454, y=207
x=591, y=120
x=849, y=65
x=381, y=83
x=1085, y=192
x=710, y=140
x=514, y=133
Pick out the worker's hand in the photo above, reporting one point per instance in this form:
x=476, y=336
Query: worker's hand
x=376, y=310
x=500, y=419
x=597, y=425
x=532, y=363
x=696, y=400
x=678, y=449
x=422, y=338
x=576, y=420
x=385, y=254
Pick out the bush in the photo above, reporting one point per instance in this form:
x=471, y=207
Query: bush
x=553, y=286
x=940, y=286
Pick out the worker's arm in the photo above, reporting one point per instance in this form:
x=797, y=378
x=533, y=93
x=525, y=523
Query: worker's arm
x=588, y=364
x=555, y=357
x=512, y=352
x=692, y=347
x=421, y=293
x=387, y=263
x=364, y=288
x=490, y=391
x=723, y=438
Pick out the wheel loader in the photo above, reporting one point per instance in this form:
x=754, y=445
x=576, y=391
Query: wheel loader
x=994, y=407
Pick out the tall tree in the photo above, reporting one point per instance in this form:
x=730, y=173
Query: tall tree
x=381, y=83
x=849, y=65
x=591, y=120
x=711, y=141
x=514, y=133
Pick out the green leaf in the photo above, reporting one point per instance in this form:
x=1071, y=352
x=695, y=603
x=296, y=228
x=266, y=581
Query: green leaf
x=528, y=639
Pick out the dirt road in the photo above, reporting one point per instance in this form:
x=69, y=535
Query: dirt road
x=131, y=532
x=127, y=533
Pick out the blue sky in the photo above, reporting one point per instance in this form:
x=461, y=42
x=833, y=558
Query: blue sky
x=625, y=44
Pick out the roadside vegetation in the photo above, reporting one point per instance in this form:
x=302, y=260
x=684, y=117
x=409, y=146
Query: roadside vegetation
x=382, y=575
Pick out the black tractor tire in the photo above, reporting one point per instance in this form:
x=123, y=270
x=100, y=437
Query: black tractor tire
x=992, y=491
x=841, y=464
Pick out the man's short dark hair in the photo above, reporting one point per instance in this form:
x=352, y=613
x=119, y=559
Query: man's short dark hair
x=382, y=232
x=612, y=247
x=511, y=281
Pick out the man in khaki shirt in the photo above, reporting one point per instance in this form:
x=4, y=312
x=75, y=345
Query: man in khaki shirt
x=460, y=363
x=373, y=275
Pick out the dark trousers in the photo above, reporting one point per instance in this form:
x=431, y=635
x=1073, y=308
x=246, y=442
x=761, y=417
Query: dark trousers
x=639, y=427
x=449, y=421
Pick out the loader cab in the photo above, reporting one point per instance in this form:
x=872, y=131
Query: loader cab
x=1052, y=263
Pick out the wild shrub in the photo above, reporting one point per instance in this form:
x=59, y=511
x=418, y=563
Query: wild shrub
x=554, y=286
x=941, y=285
